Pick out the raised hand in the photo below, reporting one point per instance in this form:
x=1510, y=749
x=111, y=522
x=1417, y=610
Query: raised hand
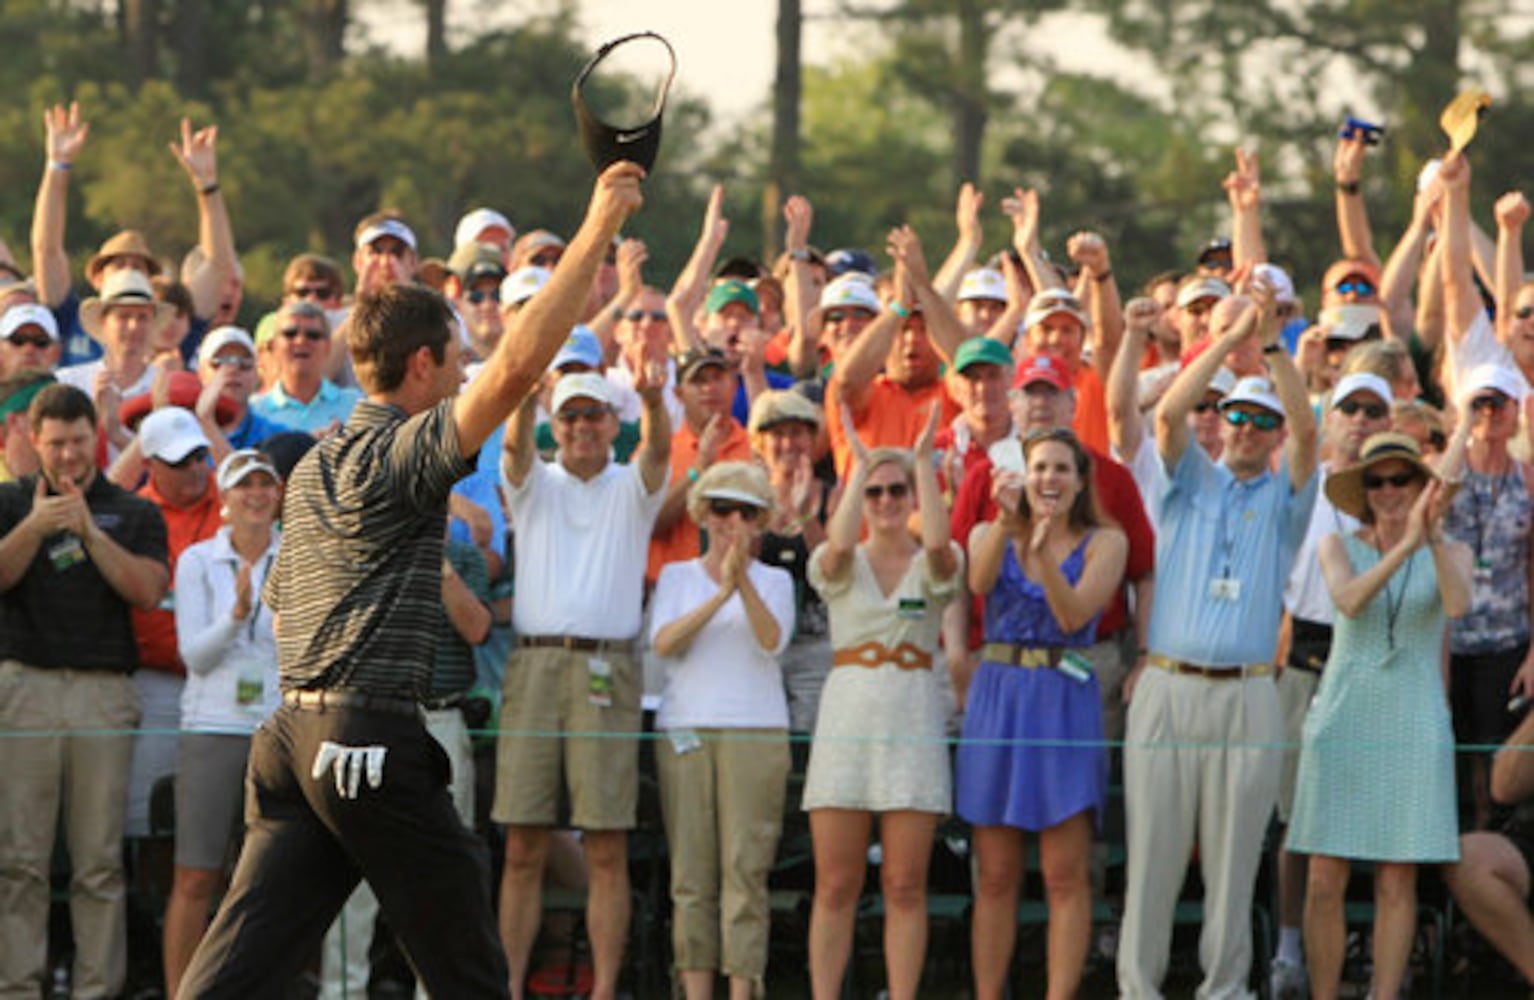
x=798, y=215
x=617, y=191
x=966, y=213
x=65, y=132
x=1022, y=206
x=850, y=432
x=715, y=226
x=1243, y=186
x=905, y=247
x=198, y=154
x=1512, y=210
x=1348, y=160
x=1090, y=252
x=631, y=257
x=924, y=441
x=1140, y=315
x=243, y=595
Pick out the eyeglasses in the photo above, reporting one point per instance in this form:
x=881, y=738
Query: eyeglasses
x=724, y=508
x=1524, y=312
x=896, y=491
x=545, y=260
x=1374, y=411
x=640, y=315
x=239, y=361
x=478, y=295
x=1260, y=421
x=590, y=414
x=39, y=341
x=1491, y=404
x=1206, y=406
x=294, y=332
x=1355, y=286
x=190, y=458
x=1400, y=480
x=310, y=291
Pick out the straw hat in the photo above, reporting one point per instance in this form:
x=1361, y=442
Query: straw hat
x=129, y=242
x=123, y=288
x=1345, y=489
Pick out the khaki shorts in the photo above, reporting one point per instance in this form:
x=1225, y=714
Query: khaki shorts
x=546, y=697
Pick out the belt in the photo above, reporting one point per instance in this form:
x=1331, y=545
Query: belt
x=443, y=703
x=323, y=699
x=906, y=656
x=575, y=643
x=1014, y=655
x=1235, y=673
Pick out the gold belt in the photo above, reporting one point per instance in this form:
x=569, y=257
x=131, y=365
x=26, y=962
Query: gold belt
x=1032, y=657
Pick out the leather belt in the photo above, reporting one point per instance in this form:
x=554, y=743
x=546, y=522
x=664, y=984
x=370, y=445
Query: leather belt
x=1014, y=655
x=575, y=643
x=906, y=656
x=323, y=699
x=1236, y=673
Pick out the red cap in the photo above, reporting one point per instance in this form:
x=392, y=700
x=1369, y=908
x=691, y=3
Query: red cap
x=185, y=387
x=1041, y=368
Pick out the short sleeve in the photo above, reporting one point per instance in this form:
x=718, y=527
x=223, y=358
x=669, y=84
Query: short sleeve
x=426, y=459
x=668, y=598
x=776, y=587
x=828, y=589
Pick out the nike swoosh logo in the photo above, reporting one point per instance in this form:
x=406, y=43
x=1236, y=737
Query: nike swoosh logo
x=625, y=137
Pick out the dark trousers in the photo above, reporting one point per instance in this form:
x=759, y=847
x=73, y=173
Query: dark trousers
x=306, y=847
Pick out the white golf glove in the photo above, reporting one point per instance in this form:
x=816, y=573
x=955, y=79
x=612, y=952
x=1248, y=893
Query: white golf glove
x=350, y=763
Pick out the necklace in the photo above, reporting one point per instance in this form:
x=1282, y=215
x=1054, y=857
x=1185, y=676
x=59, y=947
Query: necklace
x=1394, y=601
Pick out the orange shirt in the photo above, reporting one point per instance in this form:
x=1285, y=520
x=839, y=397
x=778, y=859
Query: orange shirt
x=1091, y=423
x=683, y=540
x=155, y=631
x=892, y=417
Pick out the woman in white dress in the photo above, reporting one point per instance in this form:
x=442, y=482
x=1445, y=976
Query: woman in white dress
x=879, y=746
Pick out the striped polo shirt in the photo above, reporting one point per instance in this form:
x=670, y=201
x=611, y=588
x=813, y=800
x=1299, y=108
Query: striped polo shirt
x=358, y=581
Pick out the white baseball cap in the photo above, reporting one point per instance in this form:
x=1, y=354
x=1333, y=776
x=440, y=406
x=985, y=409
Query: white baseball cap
x=580, y=385
x=475, y=222
x=983, y=283
x=1257, y=391
x=27, y=314
x=387, y=227
x=1500, y=378
x=1362, y=382
x=171, y=434
x=220, y=338
x=522, y=284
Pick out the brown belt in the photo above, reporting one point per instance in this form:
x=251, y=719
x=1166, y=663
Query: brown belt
x=1014, y=655
x=575, y=643
x=906, y=656
x=1241, y=672
x=323, y=699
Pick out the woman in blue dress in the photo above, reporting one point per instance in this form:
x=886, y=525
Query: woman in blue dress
x=1376, y=777
x=1033, y=757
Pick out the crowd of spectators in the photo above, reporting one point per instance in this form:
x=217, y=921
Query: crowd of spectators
x=1281, y=559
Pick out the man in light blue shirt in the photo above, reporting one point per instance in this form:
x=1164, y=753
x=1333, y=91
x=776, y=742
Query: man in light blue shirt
x=1202, y=755
x=301, y=397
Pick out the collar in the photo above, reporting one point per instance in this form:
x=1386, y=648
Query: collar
x=279, y=395
x=223, y=546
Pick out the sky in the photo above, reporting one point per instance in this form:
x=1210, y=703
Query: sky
x=728, y=59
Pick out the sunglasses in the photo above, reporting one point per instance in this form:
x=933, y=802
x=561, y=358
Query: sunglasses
x=1199, y=308
x=239, y=361
x=1400, y=480
x=640, y=315
x=590, y=414
x=1355, y=286
x=545, y=260
x=1206, y=406
x=1491, y=404
x=293, y=333
x=478, y=295
x=896, y=491
x=724, y=508
x=39, y=341
x=1524, y=312
x=1374, y=411
x=192, y=457
x=1260, y=421
x=841, y=315
x=310, y=292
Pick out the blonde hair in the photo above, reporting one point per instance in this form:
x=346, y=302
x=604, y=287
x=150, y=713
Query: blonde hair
x=737, y=477
x=902, y=457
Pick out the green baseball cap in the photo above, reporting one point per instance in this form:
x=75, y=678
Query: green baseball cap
x=981, y=350
x=726, y=292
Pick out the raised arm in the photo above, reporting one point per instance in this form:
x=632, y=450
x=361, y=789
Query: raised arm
x=537, y=330
x=943, y=324
x=1009, y=323
x=1352, y=214
x=1397, y=314
x=929, y=499
x=1461, y=300
x=1512, y=212
x=1243, y=188
x=1301, y=445
x=519, y=449
x=654, y=452
x=629, y=258
x=198, y=155
x=846, y=522
x=1022, y=207
x=1188, y=388
x=799, y=216
x=966, y=247
x=1126, y=425
x=65, y=137
x=1090, y=252
x=691, y=286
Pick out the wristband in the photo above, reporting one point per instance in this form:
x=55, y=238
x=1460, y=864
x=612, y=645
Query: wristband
x=692, y=474
x=210, y=189
x=801, y=256
x=1348, y=187
x=899, y=310
x=1104, y=276
x=63, y=165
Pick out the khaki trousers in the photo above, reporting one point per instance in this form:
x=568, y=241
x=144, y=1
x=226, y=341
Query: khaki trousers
x=1201, y=765
x=723, y=807
x=65, y=743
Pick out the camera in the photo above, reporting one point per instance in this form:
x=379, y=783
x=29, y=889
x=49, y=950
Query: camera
x=1357, y=128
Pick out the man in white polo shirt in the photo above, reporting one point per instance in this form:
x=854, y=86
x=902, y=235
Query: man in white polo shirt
x=583, y=530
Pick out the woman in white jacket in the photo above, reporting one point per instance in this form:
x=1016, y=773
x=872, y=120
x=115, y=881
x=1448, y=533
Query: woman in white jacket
x=226, y=639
